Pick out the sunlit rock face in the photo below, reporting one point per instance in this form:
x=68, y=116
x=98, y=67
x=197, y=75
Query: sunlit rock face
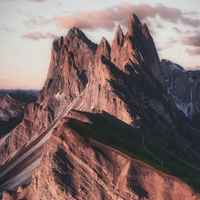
x=103, y=108
x=137, y=39
x=74, y=167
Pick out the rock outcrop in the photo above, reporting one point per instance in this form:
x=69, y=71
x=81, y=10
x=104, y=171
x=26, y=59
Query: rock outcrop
x=102, y=109
x=76, y=167
x=184, y=87
x=11, y=114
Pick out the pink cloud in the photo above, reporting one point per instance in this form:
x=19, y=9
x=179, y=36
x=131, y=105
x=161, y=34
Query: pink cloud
x=107, y=18
x=39, y=35
x=38, y=0
x=192, y=40
x=37, y=21
x=193, y=51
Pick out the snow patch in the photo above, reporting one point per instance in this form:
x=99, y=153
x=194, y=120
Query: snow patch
x=59, y=96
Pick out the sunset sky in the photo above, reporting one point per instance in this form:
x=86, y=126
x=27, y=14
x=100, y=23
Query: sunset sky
x=28, y=27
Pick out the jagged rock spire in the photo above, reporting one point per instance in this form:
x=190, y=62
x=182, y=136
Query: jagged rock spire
x=75, y=31
x=123, y=47
x=103, y=49
x=134, y=24
x=80, y=35
x=145, y=31
x=119, y=36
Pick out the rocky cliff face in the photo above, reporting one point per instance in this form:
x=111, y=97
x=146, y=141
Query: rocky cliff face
x=11, y=114
x=102, y=109
x=183, y=86
x=76, y=167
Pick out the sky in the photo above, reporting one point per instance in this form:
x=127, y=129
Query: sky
x=28, y=27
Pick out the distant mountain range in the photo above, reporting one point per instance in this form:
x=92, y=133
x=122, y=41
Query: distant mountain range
x=24, y=96
x=12, y=103
x=112, y=122
x=184, y=86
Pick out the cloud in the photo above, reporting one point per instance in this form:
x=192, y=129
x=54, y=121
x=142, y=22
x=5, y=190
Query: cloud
x=107, y=18
x=164, y=46
x=177, y=29
x=159, y=25
x=38, y=36
x=37, y=21
x=38, y=0
x=193, y=51
x=5, y=28
x=20, y=0
x=192, y=40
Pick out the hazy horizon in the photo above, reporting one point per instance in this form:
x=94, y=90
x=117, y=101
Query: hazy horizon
x=28, y=27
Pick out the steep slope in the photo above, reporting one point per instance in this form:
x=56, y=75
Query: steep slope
x=183, y=86
x=66, y=79
x=23, y=96
x=12, y=106
x=81, y=151
x=75, y=166
x=11, y=114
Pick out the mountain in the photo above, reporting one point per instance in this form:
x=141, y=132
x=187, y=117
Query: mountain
x=12, y=104
x=184, y=86
x=11, y=114
x=23, y=96
x=105, y=126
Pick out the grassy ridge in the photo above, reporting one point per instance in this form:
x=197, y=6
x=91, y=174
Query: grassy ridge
x=137, y=143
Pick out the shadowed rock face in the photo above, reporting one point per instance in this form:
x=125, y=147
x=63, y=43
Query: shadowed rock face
x=11, y=114
x=123, y=111
x=184, y=86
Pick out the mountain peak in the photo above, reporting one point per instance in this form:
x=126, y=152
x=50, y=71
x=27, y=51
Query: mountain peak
x=103, y=48
x=133, y=24
x=104, y=42
x=119, y=36
x=75, y=31
x=145, y=31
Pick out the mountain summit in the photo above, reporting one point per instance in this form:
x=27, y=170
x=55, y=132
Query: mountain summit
x=104, y=127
